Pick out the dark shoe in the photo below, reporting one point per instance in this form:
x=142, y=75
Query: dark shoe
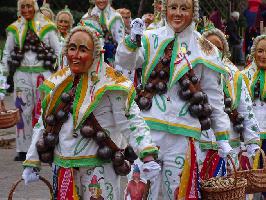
x=21, y=156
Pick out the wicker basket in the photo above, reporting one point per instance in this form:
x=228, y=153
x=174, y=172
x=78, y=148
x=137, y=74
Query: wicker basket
x=224, y=188
x=256, y=178
x=9, y=118
x=10, y=195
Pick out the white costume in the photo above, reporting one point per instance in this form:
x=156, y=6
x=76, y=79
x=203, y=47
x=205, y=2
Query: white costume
x=110, y=96
x=110, y=18
x=30, y=69
x=172, y=127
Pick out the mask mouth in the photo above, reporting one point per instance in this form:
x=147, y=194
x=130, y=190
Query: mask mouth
x=76, y=62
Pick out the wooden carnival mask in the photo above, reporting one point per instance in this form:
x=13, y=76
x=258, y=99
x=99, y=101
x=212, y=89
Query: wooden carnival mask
x=179, y=14
x=260, y=54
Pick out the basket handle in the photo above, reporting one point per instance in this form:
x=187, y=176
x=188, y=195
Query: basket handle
x=234, y=167
x=259, y=151
x=10, y=195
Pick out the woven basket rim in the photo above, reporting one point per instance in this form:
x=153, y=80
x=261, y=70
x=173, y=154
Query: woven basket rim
x=241, y=182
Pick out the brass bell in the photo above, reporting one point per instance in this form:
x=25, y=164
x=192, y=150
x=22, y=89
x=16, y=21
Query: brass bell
x=123, y=169
x=104, y=152
x=41, y=146
x=47, y=157
x=87, y=131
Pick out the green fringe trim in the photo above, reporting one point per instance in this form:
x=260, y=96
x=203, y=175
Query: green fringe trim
x=132, y=46
x=149, y=151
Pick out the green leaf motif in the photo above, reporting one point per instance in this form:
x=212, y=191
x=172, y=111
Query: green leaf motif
x=161, y=104
x=184, y=110
x=131, y=116
x=82, y=144
x=133, y=128
x=139, y=139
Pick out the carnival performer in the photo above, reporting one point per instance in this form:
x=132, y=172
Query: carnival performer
x=181, y=94
x=159, y=17
x=30, y=52
x=46, y=11
x=109, y=24
x=147, y=19
x=64, y=22
x=238, y=106
x=126, y=15
x=255, y=79
x=96, y=106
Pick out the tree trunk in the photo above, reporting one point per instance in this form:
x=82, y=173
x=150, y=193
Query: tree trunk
x=141, y=6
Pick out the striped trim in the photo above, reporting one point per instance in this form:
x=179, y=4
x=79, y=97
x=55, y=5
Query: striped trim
x=32, y=163
x=31, y=69
x=80, y=161
x=149, y=151
x=262, y=135
x=178, y=129
x=238, y=78
x=131, y=46
x=223, y=135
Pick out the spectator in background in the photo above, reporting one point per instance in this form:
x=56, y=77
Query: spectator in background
x=234, y=38
x=251, y=31
x=216, y=18
x=148, y=19
x=46, y=11
x=126, y=15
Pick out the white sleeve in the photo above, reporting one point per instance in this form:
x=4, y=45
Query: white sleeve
x=250, y=123
x=211, y=84
x=129, y=58
x=9, y=46
x=133, y=126
x=32, y=157
x=54, y=42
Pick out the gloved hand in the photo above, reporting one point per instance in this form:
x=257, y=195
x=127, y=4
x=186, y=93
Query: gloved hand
x=151, y=170
x=251, y=149
x=30, y=175
x=224, y=148
x=137, y=28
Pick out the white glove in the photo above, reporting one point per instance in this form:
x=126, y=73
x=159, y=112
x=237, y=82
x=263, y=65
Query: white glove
x=251, y=149
x=224, y=148
x=151, y=170
x=29, y=175
x=137, y=28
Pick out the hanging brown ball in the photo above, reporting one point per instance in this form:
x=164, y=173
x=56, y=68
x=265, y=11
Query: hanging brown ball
x=51, y=140
x=194, y=80
x=153, y=74
x=104, y=153
x=87, y=131
x=195, y=110
x=118, y=158
x=163, y=74
x=228, y=110
x=205, y=124
x=185, y=94
x=149, y=87
x=123, y=169
x=144, y=103
x=50, y=120
x=61, y=116
x=41, y=146
x=130, y=154
x=240, y=118
x=47, y=157
x=197, y=97
x=185, y=83
x=101, y=137
x=161, y=88
x=228, y=102
x=239, y=128
x=65, y=97
x=207, y=110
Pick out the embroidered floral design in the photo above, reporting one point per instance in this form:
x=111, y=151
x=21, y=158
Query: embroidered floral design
x=206, y=46
x=115, y=76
